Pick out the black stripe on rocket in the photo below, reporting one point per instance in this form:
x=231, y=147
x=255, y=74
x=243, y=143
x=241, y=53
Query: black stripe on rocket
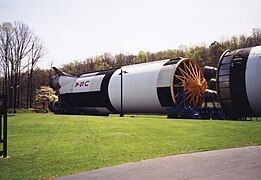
x=165, y=97
x=232, y=83
x=105, y=89
x=95, y=98
x=164, y=93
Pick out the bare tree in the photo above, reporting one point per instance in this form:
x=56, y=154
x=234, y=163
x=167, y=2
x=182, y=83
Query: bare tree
x=6, y=36
x=37, y=52
x=20, y=50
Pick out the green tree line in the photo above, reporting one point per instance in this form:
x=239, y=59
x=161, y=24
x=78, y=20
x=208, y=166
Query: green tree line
x=203, y=54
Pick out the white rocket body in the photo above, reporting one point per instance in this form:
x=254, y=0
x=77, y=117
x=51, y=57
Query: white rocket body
x=144, y=88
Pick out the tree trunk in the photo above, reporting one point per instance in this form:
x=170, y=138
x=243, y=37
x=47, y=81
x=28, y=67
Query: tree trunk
x=31, y=87
x=15, y=91
x=18, y=90
x=28, y=89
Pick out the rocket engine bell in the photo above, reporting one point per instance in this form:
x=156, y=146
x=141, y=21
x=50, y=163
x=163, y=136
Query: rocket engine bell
x=145, y=88
x=239, y=83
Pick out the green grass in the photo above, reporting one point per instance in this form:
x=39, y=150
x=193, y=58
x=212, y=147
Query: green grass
x=44, y=145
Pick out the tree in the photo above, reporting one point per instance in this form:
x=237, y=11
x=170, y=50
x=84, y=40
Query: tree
x=256, y=37
x=21, y=46
x=37, y=52
x=5, y=39
x=99, y=64
x=88, y=64
x=141, y=57
x=199, y=54
x=120, y=60
x=242, y=41
x=108, y=58
x=43, y=96
x=75, y=67
x=20, y=49
x=215, y=50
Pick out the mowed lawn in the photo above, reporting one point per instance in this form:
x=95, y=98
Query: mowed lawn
x=42, y=146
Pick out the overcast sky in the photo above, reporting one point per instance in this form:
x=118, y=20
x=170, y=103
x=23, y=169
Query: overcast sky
x=78, y=29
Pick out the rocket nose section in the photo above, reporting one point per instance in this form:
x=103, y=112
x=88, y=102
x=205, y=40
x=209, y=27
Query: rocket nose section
x=54, y=82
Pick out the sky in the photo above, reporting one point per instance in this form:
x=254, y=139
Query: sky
x=78, y=29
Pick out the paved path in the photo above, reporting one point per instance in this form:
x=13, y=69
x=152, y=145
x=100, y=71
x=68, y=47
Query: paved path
x=233, y=164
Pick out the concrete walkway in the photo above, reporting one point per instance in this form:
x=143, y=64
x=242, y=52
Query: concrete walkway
x=238, y=163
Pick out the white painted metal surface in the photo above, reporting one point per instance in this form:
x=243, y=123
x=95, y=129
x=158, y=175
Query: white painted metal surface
x=139, y=88
x=66, y=84
x=88, y=84
x=253, y=79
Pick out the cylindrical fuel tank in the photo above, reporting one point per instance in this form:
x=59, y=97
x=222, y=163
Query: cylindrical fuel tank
x=151, y=87
x=141, y=88
x=239, y=83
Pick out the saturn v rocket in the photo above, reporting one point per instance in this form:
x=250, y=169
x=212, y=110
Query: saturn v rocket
x=140, y=88
x=154, y=86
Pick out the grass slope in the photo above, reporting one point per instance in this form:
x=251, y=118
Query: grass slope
x=44, y=145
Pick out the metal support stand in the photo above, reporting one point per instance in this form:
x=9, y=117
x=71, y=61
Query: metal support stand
x=180, y=110
x=3, y=125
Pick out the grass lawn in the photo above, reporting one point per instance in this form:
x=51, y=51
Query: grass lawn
x=42, y=146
